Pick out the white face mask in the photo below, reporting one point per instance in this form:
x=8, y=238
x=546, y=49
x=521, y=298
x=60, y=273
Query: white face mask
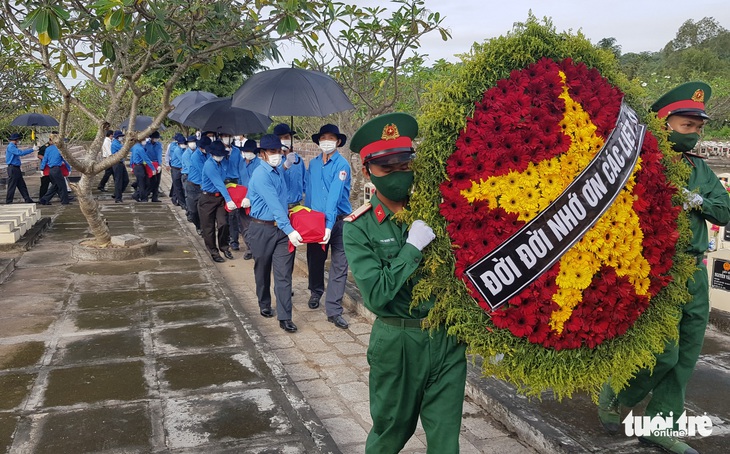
x=192, y=145
x=218, y=158
x=183, y=146
x=226, y=140
x=249, y=156
x=327, y=146
x=274, y=160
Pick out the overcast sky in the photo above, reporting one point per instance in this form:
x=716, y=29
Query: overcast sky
x=637, y=25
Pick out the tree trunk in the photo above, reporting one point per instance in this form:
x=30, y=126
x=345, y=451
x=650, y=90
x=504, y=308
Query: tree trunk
x=91, y=210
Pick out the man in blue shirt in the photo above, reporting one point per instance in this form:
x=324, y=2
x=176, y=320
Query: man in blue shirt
x=193, y=188
x=293, y=164
x=328, y=191
x=249, y=163
x=213, y=202
x=154, y=154
x=54, y=161
x=270, y=233
x=175, y=153
x=119, y=170
x=234, y=162
x=139, y=161
x=15, y=175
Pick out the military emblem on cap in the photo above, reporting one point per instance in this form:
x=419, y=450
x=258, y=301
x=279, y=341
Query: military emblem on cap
x=387, y=136
x=390, y=132
x=686, y=99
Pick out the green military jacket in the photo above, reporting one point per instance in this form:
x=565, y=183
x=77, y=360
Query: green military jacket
x=382, y=263
x=715, y=204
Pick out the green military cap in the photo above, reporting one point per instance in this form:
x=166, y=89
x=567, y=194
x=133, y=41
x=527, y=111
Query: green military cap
x=387, y=139
x=686, y=99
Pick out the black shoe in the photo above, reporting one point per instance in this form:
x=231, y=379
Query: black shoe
x=218, y=258
x=338, y=321
x=44, y=203
x=235, y=246
x=288, y=326
x=118, y=201
x=268, y=313
x=228, y=254
x=314, y=302
x=30, y=201
x=199, y=232
x=247, y=255
x=101, y=189
x=157, y=200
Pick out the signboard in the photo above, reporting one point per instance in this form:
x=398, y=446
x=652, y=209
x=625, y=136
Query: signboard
x=523, y=257
x=721, y=274
x=726, y=236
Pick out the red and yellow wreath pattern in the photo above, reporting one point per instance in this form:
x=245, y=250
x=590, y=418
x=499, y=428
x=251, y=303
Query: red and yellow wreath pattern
x=529, y=137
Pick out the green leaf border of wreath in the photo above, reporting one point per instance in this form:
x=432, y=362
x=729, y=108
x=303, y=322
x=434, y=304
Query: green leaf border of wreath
x=530, y=367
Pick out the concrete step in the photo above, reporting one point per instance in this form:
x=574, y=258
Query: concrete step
x=16, y=220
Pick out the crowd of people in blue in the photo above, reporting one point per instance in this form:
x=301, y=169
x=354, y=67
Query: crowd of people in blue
x=203, y=167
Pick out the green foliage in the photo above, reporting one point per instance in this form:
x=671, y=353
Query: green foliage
x=532, y=368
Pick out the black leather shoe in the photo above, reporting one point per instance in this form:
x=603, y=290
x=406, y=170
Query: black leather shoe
x=228, y=254
x=118, y=201
x=157, y=200
x=247, y=255
x=101, y=189
x=268, y=313
x=314, y=302
x=235, y=246
x=288, y=326
x=199, y=232
x=218, y=258
x=338, y=321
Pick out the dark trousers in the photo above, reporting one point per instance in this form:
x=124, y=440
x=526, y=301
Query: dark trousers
x=192, y=194
x=141, y=192
x=154, y=186
x=245, y=224
x=108, y=173
x=15, y=180
x=178, y=194
x=121, y=179
x=316, y=258
x=45, y=182
x=212, y=211
x=270, y=249
x=234, y=225
x=58, y=186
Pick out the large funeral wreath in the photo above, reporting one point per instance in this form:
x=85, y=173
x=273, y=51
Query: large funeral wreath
x=504, y=133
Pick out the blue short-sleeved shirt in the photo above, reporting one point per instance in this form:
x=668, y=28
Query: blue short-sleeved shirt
x=268, y=194
x=328, y=187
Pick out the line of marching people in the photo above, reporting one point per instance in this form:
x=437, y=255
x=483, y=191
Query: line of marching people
x=233, y=188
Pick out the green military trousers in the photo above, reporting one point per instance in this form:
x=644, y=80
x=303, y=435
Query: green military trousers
x=668, y=381
x=415, y=372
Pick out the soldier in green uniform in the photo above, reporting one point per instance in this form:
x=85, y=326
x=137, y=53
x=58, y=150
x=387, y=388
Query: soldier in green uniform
x=412, y=370
x=705, y=200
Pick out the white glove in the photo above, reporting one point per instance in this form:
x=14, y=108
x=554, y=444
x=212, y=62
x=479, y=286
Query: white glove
x=291, y=158
x=36, y=148
x=420, y=235
x=296, y=239
x=245, y=203
x=326, y=239
x=692, y=199
x=231, y=205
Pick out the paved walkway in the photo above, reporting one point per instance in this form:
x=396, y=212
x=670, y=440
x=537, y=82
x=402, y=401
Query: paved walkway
x=169, y=354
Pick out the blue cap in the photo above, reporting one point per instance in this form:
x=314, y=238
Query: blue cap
x=249, y=145
x=204, y=142
x=192, y=138
x=332, y=129
x=269, y=142
x=282, y=129
x=14, y=136
x=217, y=149
x=118, y=134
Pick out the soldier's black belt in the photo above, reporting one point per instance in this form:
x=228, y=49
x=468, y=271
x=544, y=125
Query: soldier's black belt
x=261, y=221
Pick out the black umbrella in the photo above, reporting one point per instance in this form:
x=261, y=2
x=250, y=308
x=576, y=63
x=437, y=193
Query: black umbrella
x=292, y=91
x=141, y=122
x=218, y=115
x=187, y=102
x=34, y=119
